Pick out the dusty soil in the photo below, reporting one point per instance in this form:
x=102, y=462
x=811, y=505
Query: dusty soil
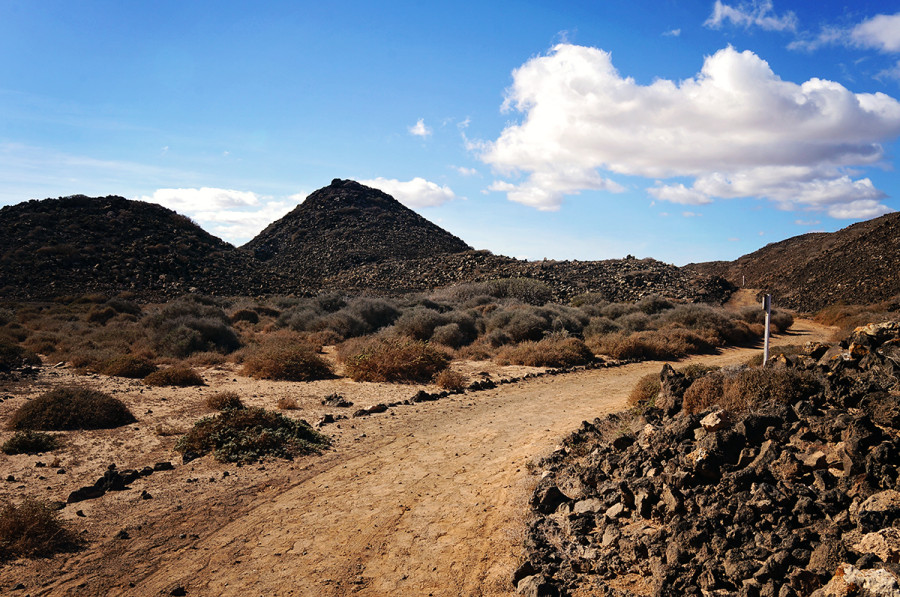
x=425, y=499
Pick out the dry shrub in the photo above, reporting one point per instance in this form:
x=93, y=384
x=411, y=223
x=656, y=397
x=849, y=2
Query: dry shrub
x=224, y=400
x=249, y=435
x=248, y=315
x=449, y=379
x=397, y=360
x=30, y=442
x=480, y=350
x=32, y=529
x=645, y=390
x=12, y=355
x=287, y=403
x=750, y=388
x=286, y=357
x=71, y=407
x=549, y=352
x=127, y=365
x=205, y=359
x=177, y=375
x=667, y=344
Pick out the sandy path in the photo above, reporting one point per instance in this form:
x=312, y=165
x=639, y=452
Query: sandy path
x=423, y=500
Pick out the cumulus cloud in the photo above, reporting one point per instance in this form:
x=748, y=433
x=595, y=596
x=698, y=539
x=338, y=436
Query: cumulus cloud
x=758, y=13
x=417, y=192
x=419, y=129
x=881, y=32
x=235, y=216
x=463, y=171
x=735, y=128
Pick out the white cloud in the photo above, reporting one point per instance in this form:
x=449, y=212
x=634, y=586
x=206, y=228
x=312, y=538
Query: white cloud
x=735, y=128
x=881, y=32
x=462, y=170
x=807, y=222
x=417, y=192
x=890, y=73
x=419, y=129
x=690, y=214
x=235, y=216
x=679, y=194
x=672, y=33
x=757, y=13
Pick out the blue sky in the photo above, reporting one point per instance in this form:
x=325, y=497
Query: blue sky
x=684, y=131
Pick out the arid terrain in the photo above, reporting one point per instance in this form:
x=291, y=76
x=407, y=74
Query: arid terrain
x=423, y=499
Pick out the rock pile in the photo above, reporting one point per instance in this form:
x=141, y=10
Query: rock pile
x=779, y=500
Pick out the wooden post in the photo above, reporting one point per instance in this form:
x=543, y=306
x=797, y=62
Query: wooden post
x=767, y=305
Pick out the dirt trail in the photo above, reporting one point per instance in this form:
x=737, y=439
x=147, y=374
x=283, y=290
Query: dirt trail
x=423, y=500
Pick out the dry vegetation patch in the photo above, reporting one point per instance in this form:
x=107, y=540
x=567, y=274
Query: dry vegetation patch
x=71, y=407
x=177, y=375
x=32, y=529
x=399, y=360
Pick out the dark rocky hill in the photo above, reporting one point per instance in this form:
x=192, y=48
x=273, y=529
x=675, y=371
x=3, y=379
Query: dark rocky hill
x=344, y=237
x=859, y=264
x=345, y=225
x=79, y=245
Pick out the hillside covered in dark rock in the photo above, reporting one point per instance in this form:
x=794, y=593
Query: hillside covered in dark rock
x=614, y=279
x=791, y=490
x=859, y=264
x=81, y=245
x=345, y=225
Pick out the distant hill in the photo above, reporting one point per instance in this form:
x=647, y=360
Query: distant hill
x=79, y=245
x=859, y=264
x=345, y=225
x=345, y=237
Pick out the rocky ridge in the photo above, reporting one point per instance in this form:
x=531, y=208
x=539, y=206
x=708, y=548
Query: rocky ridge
x=855, y=265
x=770, y=502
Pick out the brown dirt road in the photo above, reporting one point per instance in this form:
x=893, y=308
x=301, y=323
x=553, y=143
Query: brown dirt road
x=427, y=499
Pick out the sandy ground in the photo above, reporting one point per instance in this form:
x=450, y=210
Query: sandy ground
x=425, y=499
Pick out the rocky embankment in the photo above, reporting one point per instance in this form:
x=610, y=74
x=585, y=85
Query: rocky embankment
x=801, y=498
x=615, y=279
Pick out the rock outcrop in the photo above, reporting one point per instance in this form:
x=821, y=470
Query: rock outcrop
x=773, y=500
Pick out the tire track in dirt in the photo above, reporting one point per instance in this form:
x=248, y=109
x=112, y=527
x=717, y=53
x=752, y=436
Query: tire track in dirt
x=424, y=500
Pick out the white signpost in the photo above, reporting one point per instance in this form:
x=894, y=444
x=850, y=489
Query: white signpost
x=767, y=306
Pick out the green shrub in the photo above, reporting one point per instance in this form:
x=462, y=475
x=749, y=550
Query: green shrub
x=251, y=434
x=549, y=352
x=71, y=407
x=224, y=401
x=30, y=442
x=188, y=325
x=287, y=358
x=127, y=365
x=32, y=529
x=399, y=360
x=177, y=375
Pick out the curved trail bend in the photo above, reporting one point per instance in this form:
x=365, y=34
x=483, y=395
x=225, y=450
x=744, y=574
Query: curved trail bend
x=424, y=500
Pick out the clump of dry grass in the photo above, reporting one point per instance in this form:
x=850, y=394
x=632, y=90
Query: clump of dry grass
x=71, y=407
x=749, y=388
x=549, y=352
x=287, y=403
x=177, y=375
x=32, y=529
x=449, y=379
x=667, y=344
x=397, y=360
x=286, y=357
x=224, y=400
x=127, y=365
